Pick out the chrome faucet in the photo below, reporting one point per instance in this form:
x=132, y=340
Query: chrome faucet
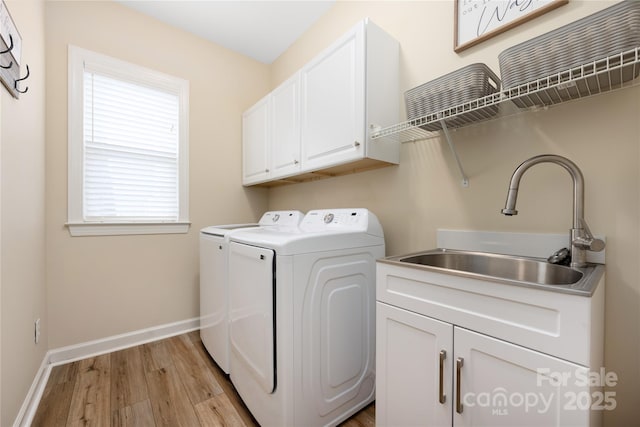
x=580, y=235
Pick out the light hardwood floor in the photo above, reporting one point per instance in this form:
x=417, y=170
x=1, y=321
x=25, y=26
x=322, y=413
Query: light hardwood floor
x=172, y=382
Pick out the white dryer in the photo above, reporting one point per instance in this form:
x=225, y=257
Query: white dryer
x=302, y=317
x=214, y=293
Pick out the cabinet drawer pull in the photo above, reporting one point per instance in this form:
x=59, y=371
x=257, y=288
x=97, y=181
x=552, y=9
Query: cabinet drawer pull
x=459, y=363
x=442, y=397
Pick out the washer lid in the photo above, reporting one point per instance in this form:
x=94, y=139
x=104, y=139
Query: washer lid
x=223, y=230
x=269, y=219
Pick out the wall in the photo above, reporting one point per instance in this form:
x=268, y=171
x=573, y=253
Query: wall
x=1, y=383
x=22, y=229
x=423, y=193
x=103, y=286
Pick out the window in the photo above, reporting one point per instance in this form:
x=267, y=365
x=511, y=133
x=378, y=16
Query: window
x=128, y=148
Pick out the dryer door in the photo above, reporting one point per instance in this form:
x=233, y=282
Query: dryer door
x=214, y=326
x=251, y=311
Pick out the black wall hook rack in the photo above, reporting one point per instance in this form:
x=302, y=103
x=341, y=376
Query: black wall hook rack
x=15, y=83
x=10, y=73
x=11, y=48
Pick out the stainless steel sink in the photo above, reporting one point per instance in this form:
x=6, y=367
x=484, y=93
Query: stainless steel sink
x=506, y=268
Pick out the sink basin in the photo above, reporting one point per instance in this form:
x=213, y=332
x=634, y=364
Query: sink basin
x=501, y=266
x=515, y=270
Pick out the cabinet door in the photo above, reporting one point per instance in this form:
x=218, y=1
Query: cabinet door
x=285, y=128
x=502, y=384
x=256, y=143
x=413, y=380
x=333, y=104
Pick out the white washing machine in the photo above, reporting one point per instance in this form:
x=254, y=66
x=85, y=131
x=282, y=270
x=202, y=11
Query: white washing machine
x=214, y=294
x=302, y=317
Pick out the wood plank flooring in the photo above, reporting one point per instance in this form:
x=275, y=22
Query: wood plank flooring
x=172, y=382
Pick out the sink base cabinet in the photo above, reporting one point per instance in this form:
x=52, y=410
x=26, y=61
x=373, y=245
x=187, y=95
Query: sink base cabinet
x=408, y=370
x=433, y=373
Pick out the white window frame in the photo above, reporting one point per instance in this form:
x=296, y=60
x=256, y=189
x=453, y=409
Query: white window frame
x=116, y=68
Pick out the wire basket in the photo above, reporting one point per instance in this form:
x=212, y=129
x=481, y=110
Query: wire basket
x=458, y=87
x=610, y=31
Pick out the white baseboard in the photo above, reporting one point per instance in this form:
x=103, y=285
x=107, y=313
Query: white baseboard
x=62, y=355
x=87, y=349
x=30, y=404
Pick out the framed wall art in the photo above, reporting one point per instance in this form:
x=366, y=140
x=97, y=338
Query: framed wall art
x=479, y=20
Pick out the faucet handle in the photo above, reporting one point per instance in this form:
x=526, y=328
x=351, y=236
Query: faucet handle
x=596, y=245
x=587, y=241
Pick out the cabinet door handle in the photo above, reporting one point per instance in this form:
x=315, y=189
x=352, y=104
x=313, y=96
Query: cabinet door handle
x=459, y=363
x=356, y=144
x=442, y=397
x=295, y=162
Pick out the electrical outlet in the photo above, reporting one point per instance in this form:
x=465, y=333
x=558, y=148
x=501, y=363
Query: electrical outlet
x=36, y=332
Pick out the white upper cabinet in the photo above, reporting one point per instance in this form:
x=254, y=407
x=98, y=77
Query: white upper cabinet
x=271, y=135
x=319, y=121
x=255, y=143
x=285, y=132
x=333, y=103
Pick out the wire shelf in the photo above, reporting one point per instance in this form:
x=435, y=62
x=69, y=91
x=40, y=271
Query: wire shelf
x=611, y=73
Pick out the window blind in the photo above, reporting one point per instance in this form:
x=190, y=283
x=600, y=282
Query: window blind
x=131, y=149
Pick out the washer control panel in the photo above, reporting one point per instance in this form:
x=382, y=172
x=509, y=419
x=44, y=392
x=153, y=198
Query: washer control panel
x=335, y=219
x=281, y=218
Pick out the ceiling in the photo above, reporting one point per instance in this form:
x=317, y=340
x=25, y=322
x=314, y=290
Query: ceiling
x=260, y=29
